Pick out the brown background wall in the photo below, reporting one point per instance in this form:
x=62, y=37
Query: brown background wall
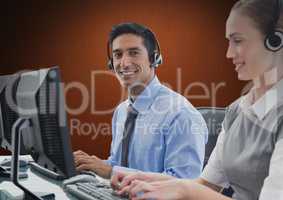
x=73, y=35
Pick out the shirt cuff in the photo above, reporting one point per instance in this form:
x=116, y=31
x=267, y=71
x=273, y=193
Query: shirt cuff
x=170, y=172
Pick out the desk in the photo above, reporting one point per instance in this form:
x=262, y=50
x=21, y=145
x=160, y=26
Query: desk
x=35, y=183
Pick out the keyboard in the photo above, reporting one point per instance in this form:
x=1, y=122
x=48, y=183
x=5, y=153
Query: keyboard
x=92, y=191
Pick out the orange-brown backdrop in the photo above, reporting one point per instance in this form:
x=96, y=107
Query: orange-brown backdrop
x=73, y=35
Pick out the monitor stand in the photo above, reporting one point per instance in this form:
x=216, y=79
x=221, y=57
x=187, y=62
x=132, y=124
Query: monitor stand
x=20, y=124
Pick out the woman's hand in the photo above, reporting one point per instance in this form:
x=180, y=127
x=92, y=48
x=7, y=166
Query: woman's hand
x=123, y=179
x=176, y=189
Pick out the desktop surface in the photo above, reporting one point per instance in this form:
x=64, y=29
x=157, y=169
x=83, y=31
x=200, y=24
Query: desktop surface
x=35, y=182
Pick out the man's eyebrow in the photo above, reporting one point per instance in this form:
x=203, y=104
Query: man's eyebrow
x=134, y=49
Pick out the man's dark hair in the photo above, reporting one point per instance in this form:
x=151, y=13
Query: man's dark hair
x=149, y=39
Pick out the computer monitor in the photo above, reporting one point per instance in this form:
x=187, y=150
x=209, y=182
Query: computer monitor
x=32, y=115
x=8, y=109
x=40, y=99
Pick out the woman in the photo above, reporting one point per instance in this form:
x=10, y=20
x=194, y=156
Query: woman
x=249, y=152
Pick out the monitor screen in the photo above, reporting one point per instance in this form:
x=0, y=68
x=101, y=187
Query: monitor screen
x=40, y=98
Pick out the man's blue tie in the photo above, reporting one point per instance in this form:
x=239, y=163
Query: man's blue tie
x=127, y=134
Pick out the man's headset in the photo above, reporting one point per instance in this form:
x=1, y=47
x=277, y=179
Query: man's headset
x=155, y=58
x=274, y=39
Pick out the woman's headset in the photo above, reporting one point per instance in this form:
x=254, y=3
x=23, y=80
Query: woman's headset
x=274, y=39
x=155, y=58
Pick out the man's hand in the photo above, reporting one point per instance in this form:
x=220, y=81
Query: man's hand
x=83, y=161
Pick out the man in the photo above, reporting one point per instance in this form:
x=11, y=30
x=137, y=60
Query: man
x=166, y=133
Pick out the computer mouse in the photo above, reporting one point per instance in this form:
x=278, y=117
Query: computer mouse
x=7, y=163
x=80, y=179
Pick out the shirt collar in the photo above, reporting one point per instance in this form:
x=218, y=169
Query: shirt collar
x=265, y=103
x=146, y=98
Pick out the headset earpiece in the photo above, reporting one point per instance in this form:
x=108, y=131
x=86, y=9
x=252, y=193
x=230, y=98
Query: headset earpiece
x=156, y=59
x=274, y=38
x=274, y=41
x=156, y=56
